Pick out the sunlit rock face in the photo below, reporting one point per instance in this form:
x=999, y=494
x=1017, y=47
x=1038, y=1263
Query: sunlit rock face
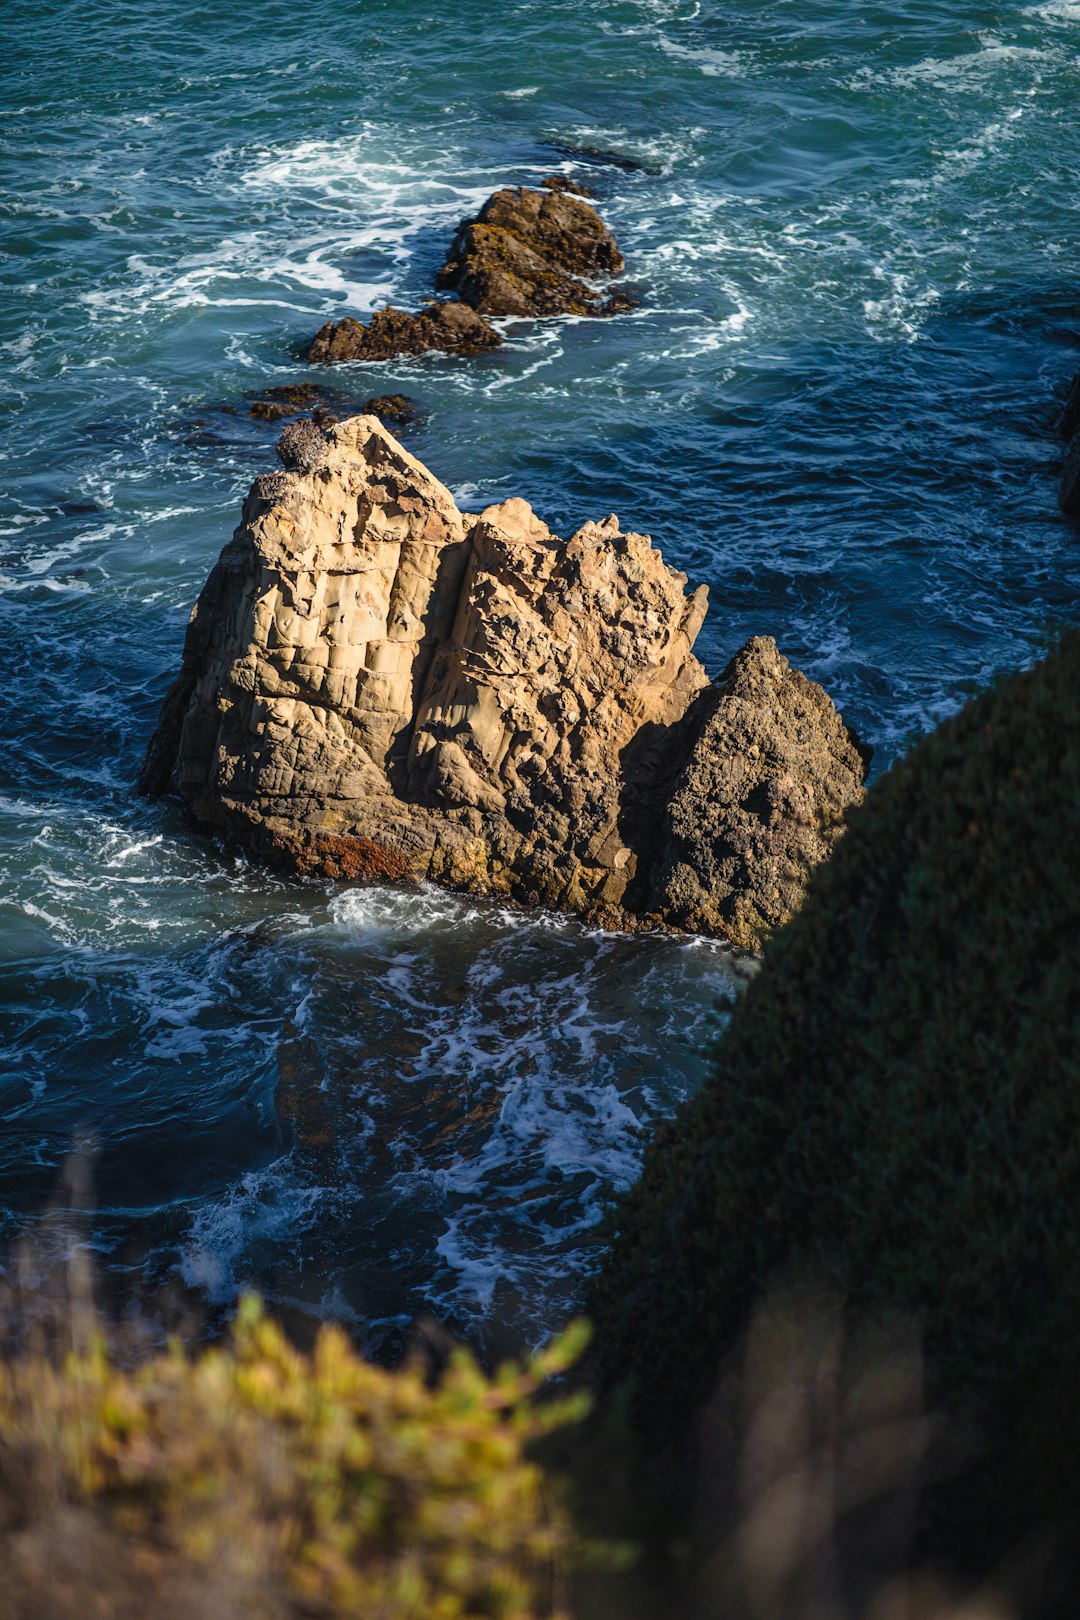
x=376, y=684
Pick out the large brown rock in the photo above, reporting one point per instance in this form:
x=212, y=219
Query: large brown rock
x=448, y=326
x=377, y=684
x=527, y=252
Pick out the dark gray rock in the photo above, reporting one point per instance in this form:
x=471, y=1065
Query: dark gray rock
x=760, y=800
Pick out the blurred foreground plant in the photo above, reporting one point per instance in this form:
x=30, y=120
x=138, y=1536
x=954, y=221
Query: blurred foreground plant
x=254, y=1479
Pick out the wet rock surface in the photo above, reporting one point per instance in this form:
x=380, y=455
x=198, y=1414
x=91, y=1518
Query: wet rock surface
x=534, y=253
x=448, y=326
x=563, y=182
x=396, y=410
x=527, y=253
x=376, y=684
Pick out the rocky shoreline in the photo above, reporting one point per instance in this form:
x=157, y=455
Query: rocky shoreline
x=376, y=684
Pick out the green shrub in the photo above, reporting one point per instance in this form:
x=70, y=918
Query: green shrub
x=895, y=1107
x=268, y=1482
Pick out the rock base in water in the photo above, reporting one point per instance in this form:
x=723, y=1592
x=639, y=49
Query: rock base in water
x=527, y=252
x=449, y=327
x=377, y=684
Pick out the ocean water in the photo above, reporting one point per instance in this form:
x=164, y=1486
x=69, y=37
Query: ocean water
x=855, y=231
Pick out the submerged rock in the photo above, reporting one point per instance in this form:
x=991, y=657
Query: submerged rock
x=602, y=157
x=526, y=253
x=285, y=400
x=377, y=684
x=289, y=400
x=448, y=326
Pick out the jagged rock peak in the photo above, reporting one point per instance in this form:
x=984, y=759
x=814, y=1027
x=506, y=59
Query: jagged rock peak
x=377, y=684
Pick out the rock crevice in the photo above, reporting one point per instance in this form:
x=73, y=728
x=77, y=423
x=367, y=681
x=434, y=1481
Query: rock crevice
x=376, y=682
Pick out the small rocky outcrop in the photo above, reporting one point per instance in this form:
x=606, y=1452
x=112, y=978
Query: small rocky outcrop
x=378, y=684
x=396, y=410
x=1069, y=487
x=288, y=400
x=534, y=253
x=562, y=182
x=526, y=253
x=448, y=326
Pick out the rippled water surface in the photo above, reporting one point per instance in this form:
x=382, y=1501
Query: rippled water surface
x=855, y=231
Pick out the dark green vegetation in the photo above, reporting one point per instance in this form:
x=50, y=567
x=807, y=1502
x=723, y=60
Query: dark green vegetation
x=895, y=1109
x=1069, y=484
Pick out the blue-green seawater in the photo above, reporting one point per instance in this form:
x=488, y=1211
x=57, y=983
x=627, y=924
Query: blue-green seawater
x=855, y=232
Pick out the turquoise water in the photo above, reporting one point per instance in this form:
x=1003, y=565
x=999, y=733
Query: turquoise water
x=855, y=232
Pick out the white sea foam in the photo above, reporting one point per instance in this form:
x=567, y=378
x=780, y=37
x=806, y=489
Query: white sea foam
x=1056, y=11
x=901, y=310
x=384, y=912
x=474, y=497
x=542, y=997
x=21, y=345
x=269, y=1205
x=351, y=203
x=713, y=63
